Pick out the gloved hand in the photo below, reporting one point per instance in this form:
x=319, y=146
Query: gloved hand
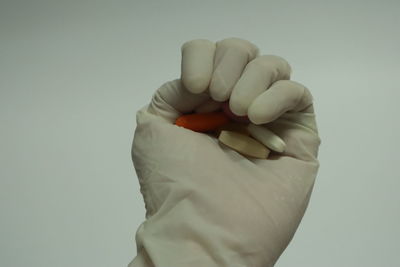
x=207, y=205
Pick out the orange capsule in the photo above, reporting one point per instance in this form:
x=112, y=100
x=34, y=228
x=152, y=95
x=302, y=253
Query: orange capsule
x=202, y=122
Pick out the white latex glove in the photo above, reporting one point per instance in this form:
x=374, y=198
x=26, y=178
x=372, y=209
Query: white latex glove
x=207, y=205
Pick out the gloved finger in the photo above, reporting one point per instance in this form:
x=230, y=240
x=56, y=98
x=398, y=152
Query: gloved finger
x=172, y=100
x=208, y=106
x=286, y=109
x=282, y=96
x=258, y=75
x=231, y=57
x=197, y=64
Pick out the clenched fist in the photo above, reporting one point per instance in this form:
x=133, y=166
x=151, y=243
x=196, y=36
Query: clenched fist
x=207, y=205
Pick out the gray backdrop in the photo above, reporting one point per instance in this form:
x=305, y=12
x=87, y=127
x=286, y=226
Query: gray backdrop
x=73, y=74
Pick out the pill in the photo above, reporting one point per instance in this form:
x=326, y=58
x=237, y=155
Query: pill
x=232, y=116
x=202, y=122
x=243, y=144
x=266, y=137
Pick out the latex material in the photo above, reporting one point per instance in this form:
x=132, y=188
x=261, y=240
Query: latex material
x=207, y=205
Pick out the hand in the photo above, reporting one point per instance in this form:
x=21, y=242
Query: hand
x=207, y=205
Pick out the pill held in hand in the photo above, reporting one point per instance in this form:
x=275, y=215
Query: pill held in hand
x=244, y=144
x=202, y=122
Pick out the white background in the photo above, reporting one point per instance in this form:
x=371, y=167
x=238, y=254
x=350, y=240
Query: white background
x=73, y=74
